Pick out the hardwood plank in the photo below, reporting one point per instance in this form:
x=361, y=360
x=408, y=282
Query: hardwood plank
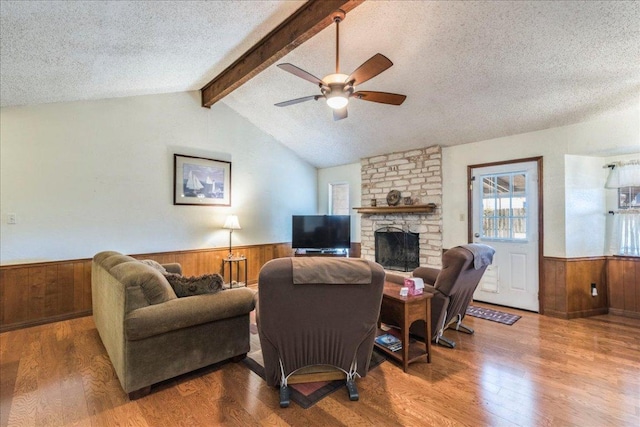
x=539, y=371
x=306, y=22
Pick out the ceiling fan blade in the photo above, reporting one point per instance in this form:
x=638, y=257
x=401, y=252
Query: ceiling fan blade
x=371, y=68
x=300, y=73
x=298, y=100
x=340, y=114
x=381, y=97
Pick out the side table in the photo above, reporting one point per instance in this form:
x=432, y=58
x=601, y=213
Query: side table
x=231, y=263
x=403, y=311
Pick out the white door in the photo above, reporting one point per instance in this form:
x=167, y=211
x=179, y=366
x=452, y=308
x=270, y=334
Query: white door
x=505, y=212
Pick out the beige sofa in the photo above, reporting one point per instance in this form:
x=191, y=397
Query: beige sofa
x=150, y=334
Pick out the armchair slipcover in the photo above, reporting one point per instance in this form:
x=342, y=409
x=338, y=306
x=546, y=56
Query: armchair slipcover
x=318, y=311
x=452, y=288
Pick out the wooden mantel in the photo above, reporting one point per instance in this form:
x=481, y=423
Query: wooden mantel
x=381, y=210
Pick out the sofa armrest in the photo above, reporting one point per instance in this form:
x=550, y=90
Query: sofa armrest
x=394, y=278
x=427, y=274
x=173, y=267
x=181, y=313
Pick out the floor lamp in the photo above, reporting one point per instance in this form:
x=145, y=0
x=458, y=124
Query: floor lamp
x=231, y=224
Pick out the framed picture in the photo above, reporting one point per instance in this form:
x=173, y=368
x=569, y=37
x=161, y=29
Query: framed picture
x=200, y=181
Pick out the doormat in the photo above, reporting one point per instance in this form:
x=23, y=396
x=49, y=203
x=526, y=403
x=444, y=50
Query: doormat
x=493, y=315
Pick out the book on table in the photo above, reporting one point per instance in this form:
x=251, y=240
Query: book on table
x=389, y=341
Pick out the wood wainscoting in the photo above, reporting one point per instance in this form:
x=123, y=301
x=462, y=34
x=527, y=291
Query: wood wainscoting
x=44, y=292
x=623, y=279
x=567, y=287
x=37, y=293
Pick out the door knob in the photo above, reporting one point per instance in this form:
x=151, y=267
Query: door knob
x=477, y=235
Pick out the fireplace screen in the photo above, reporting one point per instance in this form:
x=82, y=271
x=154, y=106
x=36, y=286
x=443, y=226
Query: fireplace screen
x=397, y=249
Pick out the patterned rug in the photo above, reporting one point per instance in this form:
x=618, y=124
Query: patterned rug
x=308, y=394
x=493, y=315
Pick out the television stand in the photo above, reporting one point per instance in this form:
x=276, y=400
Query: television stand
x=322, y=252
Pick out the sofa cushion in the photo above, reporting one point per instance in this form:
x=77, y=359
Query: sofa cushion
x=154, y=264
x=188, y=286
x=155, y=287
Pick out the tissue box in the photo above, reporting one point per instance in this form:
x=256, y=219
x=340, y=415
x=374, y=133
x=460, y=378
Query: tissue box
x=415, y=285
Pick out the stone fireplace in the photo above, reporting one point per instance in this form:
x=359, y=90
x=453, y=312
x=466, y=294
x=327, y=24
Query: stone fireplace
x=397, y=249
x=417, y=175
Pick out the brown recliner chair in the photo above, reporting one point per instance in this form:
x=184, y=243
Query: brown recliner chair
x=452, y=288
x=317, y=319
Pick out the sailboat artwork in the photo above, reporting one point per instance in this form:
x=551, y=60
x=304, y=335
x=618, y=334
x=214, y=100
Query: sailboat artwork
x=194, y=185
x=200, y=181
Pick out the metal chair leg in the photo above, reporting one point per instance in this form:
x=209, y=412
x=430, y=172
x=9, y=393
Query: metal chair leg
x=352, y=388
x=445, y=342
x=285, y=396
x=464, y=328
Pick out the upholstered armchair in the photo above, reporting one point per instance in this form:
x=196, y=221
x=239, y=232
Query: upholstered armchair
x=317, y=320
x=452, y=288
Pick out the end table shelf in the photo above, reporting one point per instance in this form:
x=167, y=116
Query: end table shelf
x=234, y=261
x=402, y=312
x=417, y=350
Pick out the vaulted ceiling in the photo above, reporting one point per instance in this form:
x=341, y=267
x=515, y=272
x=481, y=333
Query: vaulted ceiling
x=471, y=70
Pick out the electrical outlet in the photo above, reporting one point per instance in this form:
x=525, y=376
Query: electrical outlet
x=594, y=290
x=11, y=218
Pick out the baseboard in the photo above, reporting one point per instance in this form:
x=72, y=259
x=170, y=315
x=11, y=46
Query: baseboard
x=587, y=313
x=43, y=321
x=625, y=313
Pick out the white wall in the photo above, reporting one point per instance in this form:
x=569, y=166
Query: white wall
x=616, y=134
x=95, y=175
x=585, y=210
x=350, y=174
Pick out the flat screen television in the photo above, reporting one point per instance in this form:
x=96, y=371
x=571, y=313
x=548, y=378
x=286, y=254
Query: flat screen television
x=321, y=232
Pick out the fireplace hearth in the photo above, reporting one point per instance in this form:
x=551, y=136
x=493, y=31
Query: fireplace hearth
x=397, y=249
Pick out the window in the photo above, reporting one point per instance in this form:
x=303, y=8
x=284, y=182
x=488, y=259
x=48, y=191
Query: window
x=624, y=238
x=339, y=199
x=504, y=206
x=628, y=197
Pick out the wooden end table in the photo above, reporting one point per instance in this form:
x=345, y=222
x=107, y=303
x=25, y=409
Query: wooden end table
x=403, y=311
x=235, y=261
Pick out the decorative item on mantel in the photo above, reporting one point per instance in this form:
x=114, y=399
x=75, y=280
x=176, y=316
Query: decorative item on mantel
x=408, y=201
x=231, y=224
x=393, y=198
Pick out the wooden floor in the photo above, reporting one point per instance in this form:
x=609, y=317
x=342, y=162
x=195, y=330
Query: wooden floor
x=539, y=372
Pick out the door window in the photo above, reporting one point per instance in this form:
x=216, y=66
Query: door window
x=504, y=207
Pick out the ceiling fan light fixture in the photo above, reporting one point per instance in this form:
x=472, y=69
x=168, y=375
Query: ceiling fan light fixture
x=337, y=101
x=337, y=88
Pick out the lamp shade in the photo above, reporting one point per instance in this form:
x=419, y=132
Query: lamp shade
x=232, y=223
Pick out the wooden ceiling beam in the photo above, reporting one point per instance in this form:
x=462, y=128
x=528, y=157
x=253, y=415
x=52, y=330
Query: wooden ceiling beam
x=305, y=23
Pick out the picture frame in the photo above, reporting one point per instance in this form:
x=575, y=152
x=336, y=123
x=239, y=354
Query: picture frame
x=200, y=181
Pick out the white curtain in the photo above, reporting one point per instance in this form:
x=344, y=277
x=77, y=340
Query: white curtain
x=625, y=236
x=624, y=174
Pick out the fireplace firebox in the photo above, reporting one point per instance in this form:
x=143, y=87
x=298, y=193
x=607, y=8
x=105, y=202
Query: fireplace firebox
x=397, y=249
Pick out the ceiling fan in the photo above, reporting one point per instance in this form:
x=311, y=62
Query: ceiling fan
x=338, y=88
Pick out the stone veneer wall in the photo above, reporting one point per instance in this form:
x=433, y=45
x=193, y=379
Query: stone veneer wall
x=416, y=174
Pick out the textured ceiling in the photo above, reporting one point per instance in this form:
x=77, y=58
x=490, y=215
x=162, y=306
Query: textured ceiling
x=471, y=70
